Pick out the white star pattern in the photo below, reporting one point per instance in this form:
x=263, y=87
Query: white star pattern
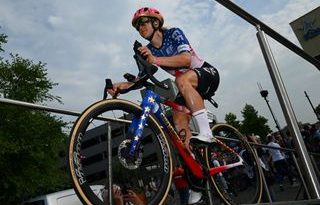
x=147, y=109
x=173, y=38
x=151, y=99
x=140, y=126
x=174, y=42
x=136, y=138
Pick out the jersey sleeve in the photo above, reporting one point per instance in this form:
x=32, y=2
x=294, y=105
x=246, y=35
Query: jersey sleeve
x=180, y=41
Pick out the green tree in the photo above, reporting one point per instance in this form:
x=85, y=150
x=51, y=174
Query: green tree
x=30, y=141
x=3, y=39
x=253, y=123
x=231, y=119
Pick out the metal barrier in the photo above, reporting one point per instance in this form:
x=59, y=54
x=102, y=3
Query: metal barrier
x=54, y=110
x=72, y=113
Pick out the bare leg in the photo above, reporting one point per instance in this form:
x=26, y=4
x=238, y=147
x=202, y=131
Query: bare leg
x=181, y=121
x=187, y=84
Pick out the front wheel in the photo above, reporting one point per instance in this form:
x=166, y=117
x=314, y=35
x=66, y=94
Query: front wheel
x=238, y=185
x=93, y=167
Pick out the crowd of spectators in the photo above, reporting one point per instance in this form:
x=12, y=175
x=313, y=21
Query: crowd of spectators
x=311, y=136
x=277, y=157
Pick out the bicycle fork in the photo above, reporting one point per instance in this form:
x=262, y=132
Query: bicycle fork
x=149, y=104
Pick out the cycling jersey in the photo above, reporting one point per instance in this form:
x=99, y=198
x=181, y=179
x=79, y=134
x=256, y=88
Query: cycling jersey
x=175, y=42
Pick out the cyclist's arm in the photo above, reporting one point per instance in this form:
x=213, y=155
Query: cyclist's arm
x=177, y=61
x=181, y=60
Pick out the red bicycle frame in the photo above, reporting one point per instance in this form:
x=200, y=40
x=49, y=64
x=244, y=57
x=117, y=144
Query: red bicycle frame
x=194, y=166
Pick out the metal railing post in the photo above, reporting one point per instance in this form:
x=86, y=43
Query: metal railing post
x=290, y=117
x=110, y=187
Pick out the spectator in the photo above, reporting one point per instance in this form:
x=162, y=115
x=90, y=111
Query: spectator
x=148, y=193
x=153, y=185
x=305, y=132
x=279, y=139
x=132, y=197
x=315, y=138
x=116, y=195
x=289, y=141
x=220, y=177
x=269, y=177
x=279, y=161
x=289, y=156
x=121, y=199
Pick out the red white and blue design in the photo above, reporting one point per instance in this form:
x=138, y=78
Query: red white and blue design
x=175, y=42
x=149, y=104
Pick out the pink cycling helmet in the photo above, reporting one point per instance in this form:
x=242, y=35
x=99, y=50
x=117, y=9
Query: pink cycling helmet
x=148, y=12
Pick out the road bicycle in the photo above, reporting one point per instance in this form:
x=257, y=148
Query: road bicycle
x=116, y=141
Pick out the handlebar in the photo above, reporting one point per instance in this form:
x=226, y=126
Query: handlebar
x=146, y=72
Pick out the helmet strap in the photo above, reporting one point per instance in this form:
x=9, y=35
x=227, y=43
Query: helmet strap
x=151, y=36
x=155, y=26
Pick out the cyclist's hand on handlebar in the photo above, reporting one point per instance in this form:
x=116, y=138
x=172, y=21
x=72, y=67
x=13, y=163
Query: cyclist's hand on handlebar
x=145, y=52
x=117, y=87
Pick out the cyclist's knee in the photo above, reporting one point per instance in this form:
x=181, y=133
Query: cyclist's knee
x=180, y=82
x=184, y=82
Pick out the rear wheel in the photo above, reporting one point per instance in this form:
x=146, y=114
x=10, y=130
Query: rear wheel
x=238, y=185
x=88, y=158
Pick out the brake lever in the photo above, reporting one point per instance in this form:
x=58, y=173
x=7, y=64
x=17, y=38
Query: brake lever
x=107, y=86
x=137, y=45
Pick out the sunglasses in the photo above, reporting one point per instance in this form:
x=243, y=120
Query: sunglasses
x=141, y=21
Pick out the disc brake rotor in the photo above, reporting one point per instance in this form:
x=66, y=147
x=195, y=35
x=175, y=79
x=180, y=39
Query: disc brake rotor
x=129, y=162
